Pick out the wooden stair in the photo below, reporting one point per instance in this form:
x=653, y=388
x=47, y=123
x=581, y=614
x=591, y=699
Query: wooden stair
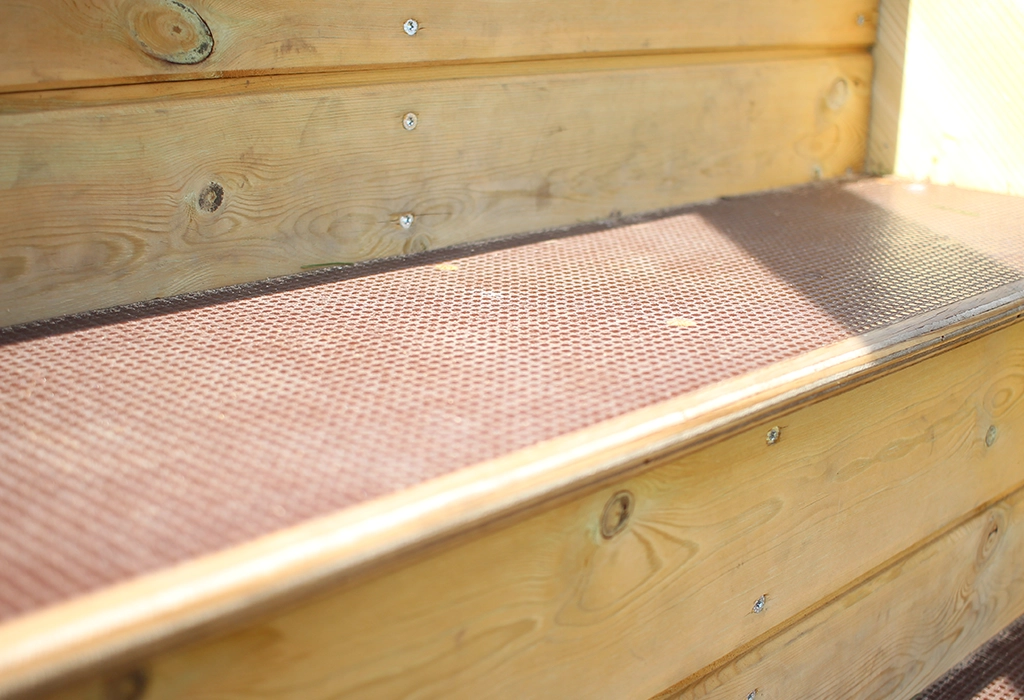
x=291, y=407
x=712, y=451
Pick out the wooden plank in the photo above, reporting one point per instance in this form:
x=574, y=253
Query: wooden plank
x=118, y=202
x=958, y=115
x=58, y=43
x=900, y=630
x=550, y=607
x=887, y=92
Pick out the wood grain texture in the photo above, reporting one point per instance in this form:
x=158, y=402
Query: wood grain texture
x=960, y=113
x=548, y=607
x=900, y=630
x=887, y=91
x=112, y=203
x=58, y=43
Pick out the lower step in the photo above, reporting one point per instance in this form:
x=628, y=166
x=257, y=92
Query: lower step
x=627, y=588
x=993, y=672
x=896, y=632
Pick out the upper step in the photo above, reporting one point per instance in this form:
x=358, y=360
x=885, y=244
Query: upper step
x=139, y=437
x=339, y=416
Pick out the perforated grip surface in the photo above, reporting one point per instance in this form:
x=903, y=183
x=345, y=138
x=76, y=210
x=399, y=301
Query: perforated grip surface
x=136, y=438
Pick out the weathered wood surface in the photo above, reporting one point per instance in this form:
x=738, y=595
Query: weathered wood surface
x=58, y=43
x=898, y=631
x=114, y=202
x=550, y=607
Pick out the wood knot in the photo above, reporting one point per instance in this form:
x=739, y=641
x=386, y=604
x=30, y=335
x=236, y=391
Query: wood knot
x=616, y=514
x=991, y=536
x=838, y=94
x=211, y=197
x=170, y=31
x=130, y=686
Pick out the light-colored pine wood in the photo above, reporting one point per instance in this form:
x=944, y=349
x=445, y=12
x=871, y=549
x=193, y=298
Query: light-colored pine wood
x=957, y=96
x=900, y=630
x=57, y=43
x=887, y=92
x=108, y=203
x=549, y=607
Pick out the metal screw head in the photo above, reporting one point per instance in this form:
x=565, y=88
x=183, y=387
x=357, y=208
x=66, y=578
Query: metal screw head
x=752, y=695
x=406, y=220
x=991, y=435
x=773, y=435
x=411, y=26
x=759, y=605
x=410, y=120
x=861, y=19
x=616, y=514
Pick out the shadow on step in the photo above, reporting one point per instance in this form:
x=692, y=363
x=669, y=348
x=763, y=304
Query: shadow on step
x=864, y=264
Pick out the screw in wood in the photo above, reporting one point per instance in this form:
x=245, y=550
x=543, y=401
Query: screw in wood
x=861, y=19
x=616, y=514
x=759, y=605
x=991, y=435
x=406, y=220
x=752, y=695
x=411, y=26
x=410, y=120
x=773, y=435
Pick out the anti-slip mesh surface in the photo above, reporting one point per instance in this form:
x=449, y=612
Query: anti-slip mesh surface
x=133, y=439
x=993, y=672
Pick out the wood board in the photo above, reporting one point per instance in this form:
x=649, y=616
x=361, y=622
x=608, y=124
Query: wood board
x=48, y=44
x=550, y=607
x=111, y=202
x=889, y=53
x=893, y=635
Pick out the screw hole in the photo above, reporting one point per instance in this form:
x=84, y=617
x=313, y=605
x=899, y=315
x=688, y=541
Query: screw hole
x=130, y=686
x=759, y=604
x=773, y=436
x=616, y=514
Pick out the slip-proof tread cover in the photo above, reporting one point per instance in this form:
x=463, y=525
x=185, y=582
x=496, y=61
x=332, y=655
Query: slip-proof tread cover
x=136, y=438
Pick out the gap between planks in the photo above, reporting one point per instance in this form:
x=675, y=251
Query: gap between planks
x=54, y=43
x=227, y=83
